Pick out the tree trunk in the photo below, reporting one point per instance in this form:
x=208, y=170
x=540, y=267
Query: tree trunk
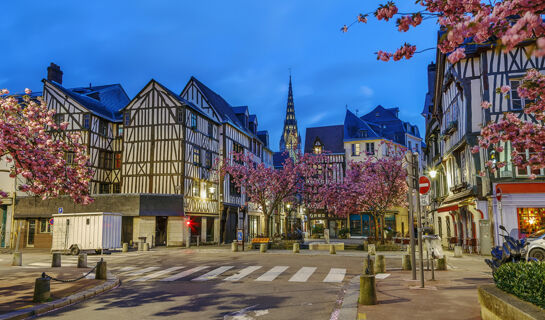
x=225, y=226
x=375, y=218
x=266, y=225
x=382, y=229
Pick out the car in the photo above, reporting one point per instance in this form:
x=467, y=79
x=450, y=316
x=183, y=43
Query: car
x=536, y=246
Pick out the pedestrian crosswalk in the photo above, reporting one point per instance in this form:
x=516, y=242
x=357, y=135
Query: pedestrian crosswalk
x=230, y=273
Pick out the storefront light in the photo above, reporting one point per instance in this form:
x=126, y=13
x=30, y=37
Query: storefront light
x=433, y=173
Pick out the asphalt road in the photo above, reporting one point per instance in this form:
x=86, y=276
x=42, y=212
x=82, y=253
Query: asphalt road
x=218, y=284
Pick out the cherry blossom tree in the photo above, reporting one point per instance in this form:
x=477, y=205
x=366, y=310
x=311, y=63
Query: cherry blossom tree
x=265, y=186
x=375, y=185
x=504, y=25
x=49, y=166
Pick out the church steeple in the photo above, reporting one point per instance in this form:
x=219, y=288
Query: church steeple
x=290, y=140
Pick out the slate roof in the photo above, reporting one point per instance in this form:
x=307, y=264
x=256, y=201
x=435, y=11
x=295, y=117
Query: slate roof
x=354, y=125
x=264, y=137
x=240, y=109
x=331, y=138
x=279, y=158
x=391, y=127
x=104, y=101
x=224, y=109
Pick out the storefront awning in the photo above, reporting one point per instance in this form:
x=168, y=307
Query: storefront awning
x=521, y=187
x=447, y=208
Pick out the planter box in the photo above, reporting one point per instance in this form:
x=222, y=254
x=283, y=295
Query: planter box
x=339, y=246
x=497, y=304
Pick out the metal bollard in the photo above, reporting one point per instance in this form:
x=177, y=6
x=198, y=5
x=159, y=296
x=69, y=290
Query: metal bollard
x=146, y=246
x=368, y=291
x=332, y=249
x=42, y=289
x=82, y=260
x=125, y=247
x=380, y=264
x=56, y=260
x=101, y=271
x=406, y=262
x=234, y=246
x=263, y=247
x=17, y=259
x=296, y=247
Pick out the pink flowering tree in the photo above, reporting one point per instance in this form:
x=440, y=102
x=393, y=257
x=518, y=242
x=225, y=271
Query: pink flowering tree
x=503, y=24
x=265, y=186
x=39, y=159
x=375, y=185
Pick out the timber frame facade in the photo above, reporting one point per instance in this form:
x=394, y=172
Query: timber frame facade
x=463, y=205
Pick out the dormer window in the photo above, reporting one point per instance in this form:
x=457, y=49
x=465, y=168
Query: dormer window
x=318, y=148
x=362, y=134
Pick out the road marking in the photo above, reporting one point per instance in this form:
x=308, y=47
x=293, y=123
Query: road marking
x=242, y=273
x=184, y=273
x=382, y=276
x=272, y=274
x=158, y=274
x=212, y=274
x=335, y=275
x=40, y=264
x=125, y=269
x=142, y=271
x=303, y=274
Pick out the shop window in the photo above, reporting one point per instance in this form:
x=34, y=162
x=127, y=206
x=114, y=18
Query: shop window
x=530, y=220
x=45, y=227
x=117, y=188
x=196, y=188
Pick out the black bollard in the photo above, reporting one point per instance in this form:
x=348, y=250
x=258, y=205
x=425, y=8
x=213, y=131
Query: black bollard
x=42, y=291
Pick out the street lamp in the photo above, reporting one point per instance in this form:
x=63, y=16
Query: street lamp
x=433, y=173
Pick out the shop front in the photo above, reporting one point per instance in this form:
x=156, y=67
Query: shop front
x=363, y=225
x=522, y=209
x=320, y=220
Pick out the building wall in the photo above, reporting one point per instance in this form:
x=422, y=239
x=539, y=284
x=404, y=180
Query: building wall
x=176, y=231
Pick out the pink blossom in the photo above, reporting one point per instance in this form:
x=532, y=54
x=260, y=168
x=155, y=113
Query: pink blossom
x=362, y=18
x=505, y=89
x=475, y=149
x=28, y=91
x=486, y=104
x=457, y=55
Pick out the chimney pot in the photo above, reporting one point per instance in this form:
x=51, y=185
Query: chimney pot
x=54, y=73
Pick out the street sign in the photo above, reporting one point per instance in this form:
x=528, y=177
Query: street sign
x=424, y=184
x=51, y=221
x=240, y=235
x=59, y=210
x=498, y=193
x=425, y=200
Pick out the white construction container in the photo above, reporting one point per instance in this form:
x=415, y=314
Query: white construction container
x=76, y=232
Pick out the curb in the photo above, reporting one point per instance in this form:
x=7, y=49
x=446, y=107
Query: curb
x=349, y=307
x=75, y=298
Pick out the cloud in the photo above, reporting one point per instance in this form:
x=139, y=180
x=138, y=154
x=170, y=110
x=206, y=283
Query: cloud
x=316, y=118
x=366, y=91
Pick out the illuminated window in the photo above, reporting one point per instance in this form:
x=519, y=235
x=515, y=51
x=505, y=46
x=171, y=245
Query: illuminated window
x=530, y=220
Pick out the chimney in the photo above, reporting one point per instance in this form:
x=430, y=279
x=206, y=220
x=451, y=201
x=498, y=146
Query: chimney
x=54, y=73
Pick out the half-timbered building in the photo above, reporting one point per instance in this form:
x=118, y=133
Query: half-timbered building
x=170, y=147
x=238, y=133
x=466, y=209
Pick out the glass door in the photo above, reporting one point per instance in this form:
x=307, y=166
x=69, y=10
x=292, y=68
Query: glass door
x=31, y=233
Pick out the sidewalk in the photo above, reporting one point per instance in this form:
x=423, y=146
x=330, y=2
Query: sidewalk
x=452, y=296
x=17, y=285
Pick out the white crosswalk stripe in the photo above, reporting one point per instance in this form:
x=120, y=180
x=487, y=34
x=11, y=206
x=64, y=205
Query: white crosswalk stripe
x=212, y=274
x=142, y=271
x=303, y=274
x=272, y=274
x=242, y=273
x=158, y=274
x=40, y=264
x=185, y=273
x=335, y=275
x=382, y=276
x=125, y=269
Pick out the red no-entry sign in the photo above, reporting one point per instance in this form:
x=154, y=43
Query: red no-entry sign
x=424, y=184
x=498, y=193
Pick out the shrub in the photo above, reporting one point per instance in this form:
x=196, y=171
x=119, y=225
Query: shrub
x=343, y=233
x=525, y=280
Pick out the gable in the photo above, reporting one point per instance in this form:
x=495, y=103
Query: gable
x=193, y=94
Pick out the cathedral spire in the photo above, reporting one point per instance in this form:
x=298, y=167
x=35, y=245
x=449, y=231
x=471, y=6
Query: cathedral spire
x=290, y=140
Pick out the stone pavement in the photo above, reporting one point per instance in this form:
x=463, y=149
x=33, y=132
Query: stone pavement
x=17, y=285
x=452, y=296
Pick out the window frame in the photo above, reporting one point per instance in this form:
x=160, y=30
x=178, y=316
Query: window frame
x=86, y=122
x=196, y=189
x=197, y=156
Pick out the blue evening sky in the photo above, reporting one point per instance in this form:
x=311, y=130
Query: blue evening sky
x=240, y=49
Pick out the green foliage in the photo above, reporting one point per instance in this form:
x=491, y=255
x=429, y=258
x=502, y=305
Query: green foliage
x=318, y=228
x=343, y=233
x=525, y=280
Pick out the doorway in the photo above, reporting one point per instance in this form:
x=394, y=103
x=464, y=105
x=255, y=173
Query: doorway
x=126, y=229
x=161, y=231
x=31, y=232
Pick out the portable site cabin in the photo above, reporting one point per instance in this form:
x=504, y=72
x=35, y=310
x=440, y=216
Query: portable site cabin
x=75, y=232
